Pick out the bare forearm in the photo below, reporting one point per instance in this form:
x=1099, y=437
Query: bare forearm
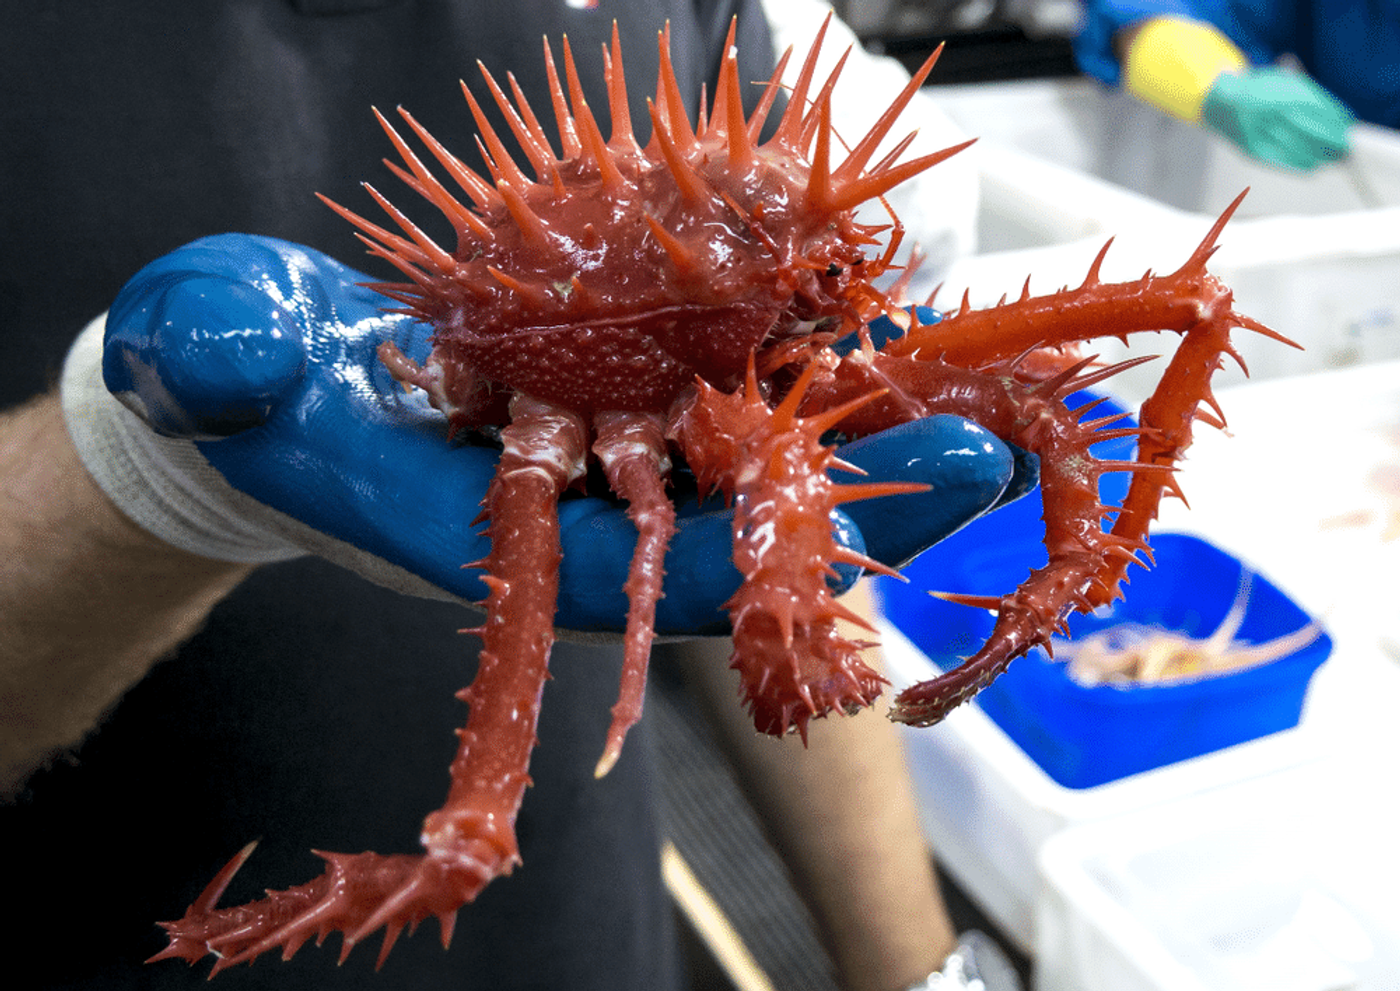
x=842, y=813
x=88, y=601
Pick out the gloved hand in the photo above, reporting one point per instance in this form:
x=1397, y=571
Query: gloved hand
x=1191, y=70
x=259, y=425
x=1279, y=116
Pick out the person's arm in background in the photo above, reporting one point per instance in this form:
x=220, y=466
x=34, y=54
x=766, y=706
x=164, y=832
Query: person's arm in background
x=1177, y=58
x=841, y=813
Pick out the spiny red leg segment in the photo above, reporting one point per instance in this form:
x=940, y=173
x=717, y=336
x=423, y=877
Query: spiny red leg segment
x=353, y=886
x=1032, y=416
x=1180, y=301
x=471, y=839
x=543, y=452
x=632, y=449
x=1086, y=565
x=1190, y=301
x=793, y=661
x=1168, y=418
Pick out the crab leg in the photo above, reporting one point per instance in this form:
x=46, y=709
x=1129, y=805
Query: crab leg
x=632, y=449
x=471, y=839
x=1179, y=301
x=543, y=454
x=1086, y=565
x=1033, y=416
x=793, y=662
x=1189, y=301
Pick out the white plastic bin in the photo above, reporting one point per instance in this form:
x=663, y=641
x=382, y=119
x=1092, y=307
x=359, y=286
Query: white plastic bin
x=1284, y=883
x=987, y=808
x=1108, y=136
x=1064, y=165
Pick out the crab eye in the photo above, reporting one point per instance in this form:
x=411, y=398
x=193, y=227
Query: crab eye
x=833, y=270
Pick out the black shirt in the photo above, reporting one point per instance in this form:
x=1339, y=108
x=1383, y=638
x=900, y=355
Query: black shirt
x=314, y=710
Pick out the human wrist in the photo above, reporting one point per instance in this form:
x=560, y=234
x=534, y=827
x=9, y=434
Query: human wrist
x=1173, y=63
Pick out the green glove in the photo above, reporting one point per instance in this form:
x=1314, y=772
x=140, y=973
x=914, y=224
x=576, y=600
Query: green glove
x=1278, y=116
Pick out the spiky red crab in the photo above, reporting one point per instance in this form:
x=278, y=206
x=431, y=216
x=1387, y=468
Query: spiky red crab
x=627, y=304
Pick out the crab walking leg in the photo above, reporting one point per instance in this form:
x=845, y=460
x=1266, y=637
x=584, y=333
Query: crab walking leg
x=338, y=900
x=632, y=449
x=1180, y=301
x=928, y=371
x=1033, y=416
x=793, y=662
x=471, y=839
x=1168, y=418
x=543, y=452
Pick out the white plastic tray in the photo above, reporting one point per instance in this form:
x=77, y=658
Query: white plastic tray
x=1064, y=165
x=987, y=808
x=1283, y=883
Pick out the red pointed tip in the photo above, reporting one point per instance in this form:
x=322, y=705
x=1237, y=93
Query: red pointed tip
x=819, y=192
x=992, y=603
x=1208, y=245
x=208, y=899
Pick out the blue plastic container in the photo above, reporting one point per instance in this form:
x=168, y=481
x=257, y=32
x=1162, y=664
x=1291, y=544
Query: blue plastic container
x=1081, y=735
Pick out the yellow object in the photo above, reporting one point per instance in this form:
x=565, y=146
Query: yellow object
x=1172, y=63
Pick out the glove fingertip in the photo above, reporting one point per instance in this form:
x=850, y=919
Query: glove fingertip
x=968, y=468
x=200, y=356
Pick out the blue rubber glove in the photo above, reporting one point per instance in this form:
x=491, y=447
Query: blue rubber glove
x=255, y=360
x=1279, y=116
x=897, y=529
